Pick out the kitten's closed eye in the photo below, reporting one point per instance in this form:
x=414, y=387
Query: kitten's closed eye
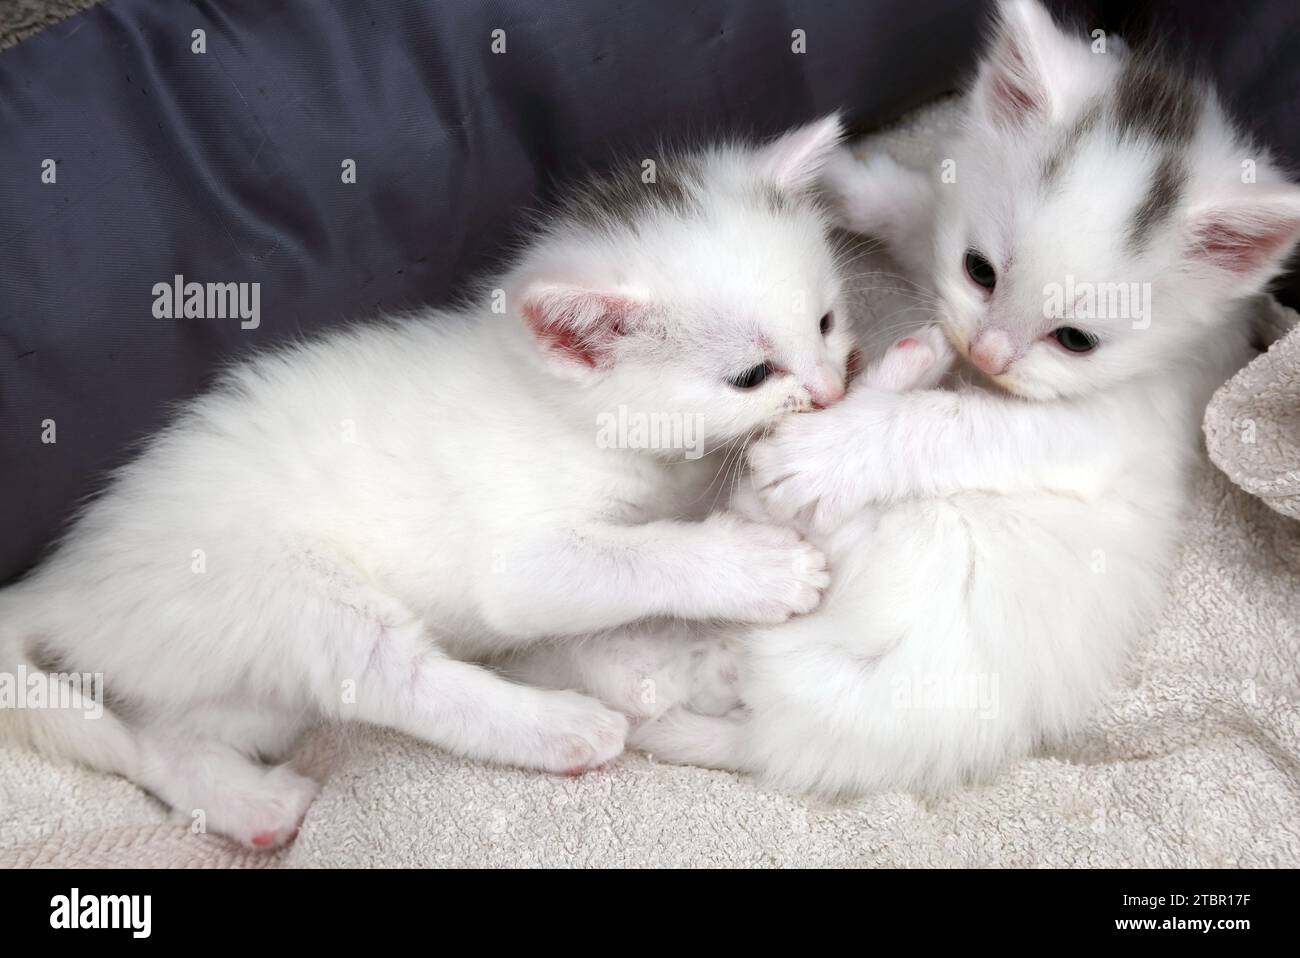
x=752, y=377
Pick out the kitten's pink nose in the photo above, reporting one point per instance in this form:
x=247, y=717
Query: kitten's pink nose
x=991, y=350
x=825, y=387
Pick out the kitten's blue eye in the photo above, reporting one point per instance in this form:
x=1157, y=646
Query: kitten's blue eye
x=751, y=377
x=827, y=323
x=980, y=270
x=1075, y=340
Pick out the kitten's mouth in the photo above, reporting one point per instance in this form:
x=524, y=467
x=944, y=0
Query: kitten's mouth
x=1003, y=381
x=959, y=343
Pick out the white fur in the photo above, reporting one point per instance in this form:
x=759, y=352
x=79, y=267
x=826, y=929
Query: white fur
x=342, y=525
x=998, y=544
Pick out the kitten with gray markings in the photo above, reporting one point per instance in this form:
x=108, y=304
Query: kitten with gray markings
x=997, y=544
x=336, y=531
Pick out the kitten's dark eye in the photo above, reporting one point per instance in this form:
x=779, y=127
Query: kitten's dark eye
x=751, y=377
x=980, y=270
x=827, y=323
x=1075, y=340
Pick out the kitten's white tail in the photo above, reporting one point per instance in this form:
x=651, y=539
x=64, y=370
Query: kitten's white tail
x=64, y=720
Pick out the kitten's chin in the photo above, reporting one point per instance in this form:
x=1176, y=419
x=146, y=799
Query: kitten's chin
x=1009, y=382
x=1021, y=389
x=1036, y=392
x=1013, y=385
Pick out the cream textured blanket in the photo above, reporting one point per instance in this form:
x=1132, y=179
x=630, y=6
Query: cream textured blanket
x=1253, y=424
x=1195, y=760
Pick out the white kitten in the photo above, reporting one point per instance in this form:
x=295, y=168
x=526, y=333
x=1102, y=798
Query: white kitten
x=997, y=546
x=334, y=530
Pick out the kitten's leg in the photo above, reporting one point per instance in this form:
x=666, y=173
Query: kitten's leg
x=389, y=673
x=349, y=650
x=641, y=671
x=880, y=197
x=604, y=576
x=222, y=790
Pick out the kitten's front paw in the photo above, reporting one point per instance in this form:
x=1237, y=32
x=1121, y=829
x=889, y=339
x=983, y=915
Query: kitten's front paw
x=578, y=734
x=801, y=474
x=779, y=574
x=918, y=361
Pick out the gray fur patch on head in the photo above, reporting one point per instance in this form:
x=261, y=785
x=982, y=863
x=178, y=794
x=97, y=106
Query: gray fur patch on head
x=1069, y=141
x=622, y=196
x=770, y=196
x=1167, y=185
x=1153, y=100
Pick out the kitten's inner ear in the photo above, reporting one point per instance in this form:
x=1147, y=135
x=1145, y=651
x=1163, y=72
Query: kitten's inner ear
x=1014, y=83
x=1249, y=239
x=576, y=325
x=793, y=161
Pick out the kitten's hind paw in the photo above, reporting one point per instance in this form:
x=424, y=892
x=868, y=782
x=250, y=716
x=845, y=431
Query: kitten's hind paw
x=577, y=734
x=714, y=683
x=220, y=790
x=681, y=737
x=264, y=816
x=277, y=822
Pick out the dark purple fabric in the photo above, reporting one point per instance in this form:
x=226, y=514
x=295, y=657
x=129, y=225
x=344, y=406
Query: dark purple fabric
x=225, y=166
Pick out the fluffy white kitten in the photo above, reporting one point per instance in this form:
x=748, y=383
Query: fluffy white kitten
x=338, y=527
x=997, y=545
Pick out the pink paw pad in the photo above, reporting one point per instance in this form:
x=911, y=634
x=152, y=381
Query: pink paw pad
x=906, y=343
x=262, y=839
x=581, y=770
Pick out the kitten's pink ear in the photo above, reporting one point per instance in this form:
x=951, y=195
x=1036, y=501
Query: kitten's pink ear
x=575, y=325
x=1247, y=238
x=793, y=161
x=1014, y=86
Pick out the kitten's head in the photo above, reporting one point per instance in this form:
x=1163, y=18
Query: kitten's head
x=1104, y=216
x=703, y=285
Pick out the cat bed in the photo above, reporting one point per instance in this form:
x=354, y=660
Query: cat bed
x=1190, y=763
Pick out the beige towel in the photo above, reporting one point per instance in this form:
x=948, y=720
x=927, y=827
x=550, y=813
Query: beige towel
x=1252, y=426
